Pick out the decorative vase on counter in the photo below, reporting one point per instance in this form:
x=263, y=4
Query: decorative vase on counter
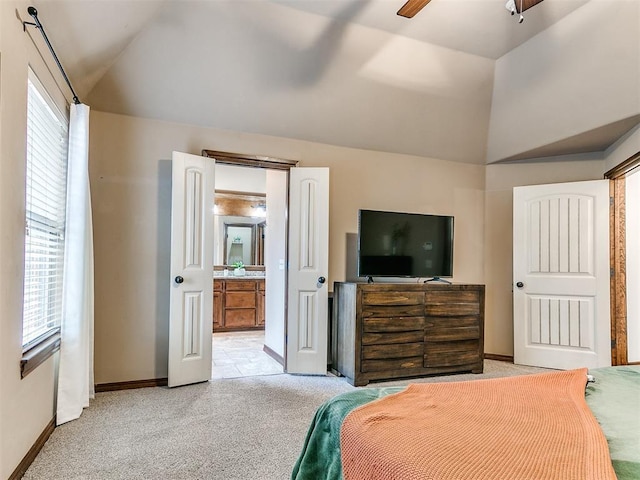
x=238, y=270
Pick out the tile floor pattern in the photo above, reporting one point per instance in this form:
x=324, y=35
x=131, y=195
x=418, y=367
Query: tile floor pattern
x=240, y=354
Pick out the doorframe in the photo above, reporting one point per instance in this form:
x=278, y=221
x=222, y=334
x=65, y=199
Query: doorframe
x=271, y=163
x=257, y=161
x=618, y=256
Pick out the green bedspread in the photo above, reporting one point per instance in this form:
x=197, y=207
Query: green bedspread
x=320, y=457
x=614, y=399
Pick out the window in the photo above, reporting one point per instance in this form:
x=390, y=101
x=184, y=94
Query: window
x=46, y=188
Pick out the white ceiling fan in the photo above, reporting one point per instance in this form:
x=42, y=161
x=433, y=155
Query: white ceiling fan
x=412, y=7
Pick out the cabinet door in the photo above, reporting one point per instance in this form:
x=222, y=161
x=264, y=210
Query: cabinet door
x=260, y=305
x=240, y=285
x=240, y=318
x=218, y=318
x=240, y=300
x=240, y=304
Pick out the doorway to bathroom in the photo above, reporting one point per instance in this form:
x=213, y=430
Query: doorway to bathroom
x=241, y=354
x=299, y=337
x=250, y=245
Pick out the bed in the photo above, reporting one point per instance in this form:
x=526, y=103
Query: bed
x=607, y=447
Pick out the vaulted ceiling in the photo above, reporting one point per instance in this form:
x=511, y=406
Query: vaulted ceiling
x=342, y=72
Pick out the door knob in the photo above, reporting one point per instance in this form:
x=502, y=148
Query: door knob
x=179, y=279
x=321, y=280
x=519, y=284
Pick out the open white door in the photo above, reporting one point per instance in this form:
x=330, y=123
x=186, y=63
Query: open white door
x=308, y=268
x=561, y=275
x=191, y=297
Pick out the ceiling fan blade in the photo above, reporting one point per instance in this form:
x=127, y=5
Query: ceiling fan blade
x=526, y=4
x=412, y=7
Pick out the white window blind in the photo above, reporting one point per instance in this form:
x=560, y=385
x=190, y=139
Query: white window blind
x=47, y=146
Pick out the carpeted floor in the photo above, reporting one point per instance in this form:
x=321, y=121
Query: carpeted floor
x=227, y=429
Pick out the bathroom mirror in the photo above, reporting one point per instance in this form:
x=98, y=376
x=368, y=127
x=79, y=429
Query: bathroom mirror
x=239, y=243
x=240, y=228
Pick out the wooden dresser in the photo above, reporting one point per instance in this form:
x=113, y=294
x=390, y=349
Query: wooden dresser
x=238, y=304
x=395, y=330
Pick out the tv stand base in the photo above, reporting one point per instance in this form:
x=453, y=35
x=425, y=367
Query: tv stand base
x=437, y=279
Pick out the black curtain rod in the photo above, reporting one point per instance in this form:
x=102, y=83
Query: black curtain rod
x=34, y=13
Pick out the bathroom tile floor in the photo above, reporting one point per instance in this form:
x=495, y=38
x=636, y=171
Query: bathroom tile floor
x=240, y=354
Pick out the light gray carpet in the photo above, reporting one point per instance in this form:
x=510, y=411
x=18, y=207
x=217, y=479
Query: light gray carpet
x=227, y=429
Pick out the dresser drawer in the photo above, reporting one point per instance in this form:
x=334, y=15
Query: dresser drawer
x=382, y=338
x=403, y=350
x=452, y=334
x=393, y=324
x=452, y=303
x=452, y=296
x=453, y=309
x=450, y=354
x=394, y=311
x=393, y=366
x=451, y=329
x=392, y=298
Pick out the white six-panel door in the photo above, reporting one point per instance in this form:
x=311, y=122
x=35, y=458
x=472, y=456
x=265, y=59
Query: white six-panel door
x=191, y=297
x=561, y=275
x=308, y=269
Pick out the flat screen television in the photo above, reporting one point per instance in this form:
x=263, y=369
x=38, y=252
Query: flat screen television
x=394, y=244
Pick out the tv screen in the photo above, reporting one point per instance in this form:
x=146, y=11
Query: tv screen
x=392, y=244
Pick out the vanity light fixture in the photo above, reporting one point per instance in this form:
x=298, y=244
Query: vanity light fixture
x=259, y=210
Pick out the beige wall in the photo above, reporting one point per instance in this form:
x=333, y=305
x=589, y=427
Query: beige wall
x=275, y=260
x=500, y=181
x=130, y=175
x=623, y=149
x=27, y=405
x=130, y=180
x=577, y=75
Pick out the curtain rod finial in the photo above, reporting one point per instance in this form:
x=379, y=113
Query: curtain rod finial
x=34, y=13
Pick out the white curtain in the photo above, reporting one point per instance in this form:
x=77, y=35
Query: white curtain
x=75, y=376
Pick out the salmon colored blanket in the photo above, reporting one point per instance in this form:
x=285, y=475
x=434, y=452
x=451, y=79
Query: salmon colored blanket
x=530, y=427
